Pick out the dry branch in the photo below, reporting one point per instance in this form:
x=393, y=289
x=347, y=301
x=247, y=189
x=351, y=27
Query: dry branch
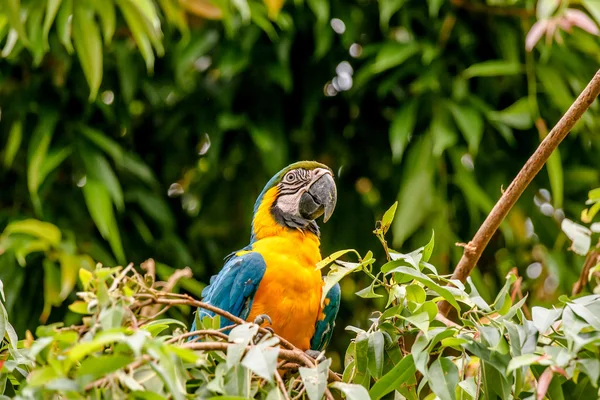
x=475, y=247
x=295, y=356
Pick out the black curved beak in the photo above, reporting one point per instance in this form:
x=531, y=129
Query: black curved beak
x=320, y=199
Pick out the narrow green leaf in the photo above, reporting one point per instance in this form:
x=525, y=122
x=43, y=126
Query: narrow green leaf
x=428, y=249
x=397, y=376
x=555, y=173
x=15, y=137
x=98, y=168
x=97, y=199
x=443, y=378
x=493, y=68
x=470, y=123
x=88, y=44
x=388, y=217
x=52, y=7
x=351, y=391
x=106, y=11
x=64, y=24
x=43, y=230
x=376, y=353
x=38, y=148
x=15, y=9
x=402, y=128
x=135, y=22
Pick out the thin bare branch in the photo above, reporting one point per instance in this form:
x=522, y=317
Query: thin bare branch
x=475, y=247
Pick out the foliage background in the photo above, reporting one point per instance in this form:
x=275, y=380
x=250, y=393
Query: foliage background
x=445, y=106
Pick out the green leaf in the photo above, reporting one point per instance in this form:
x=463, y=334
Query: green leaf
x=98, y=169
x=137, y=25
x=593, y=8
x=415, y=293
x=402, y=127
x=43, y=230
x=83, y=349
x=351, y=391
x=424, y=279
x=395, y=378
x=555, y=173
x=443, y=378
x=428, y=249
x=69, y=269
x=331, y=258
x=97, y=367
x=38, y=148
x=388, y=217
x=52, y=7
x=493, y=68
x=106, y=10
x=376, y=354
x=470, y=123
x=15, y=8
x=387, y=8
x=517, y=115
x=15, y=137
x=64, y=24
x=522, y=361
x=545, y=8
x=97, y=199
x=88, y=44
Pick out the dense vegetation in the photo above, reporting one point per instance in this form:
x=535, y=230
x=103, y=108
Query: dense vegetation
x=134, y=129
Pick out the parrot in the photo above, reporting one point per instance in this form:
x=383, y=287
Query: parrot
x=274, y=278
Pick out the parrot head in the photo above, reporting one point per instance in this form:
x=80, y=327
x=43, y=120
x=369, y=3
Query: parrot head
x=296, y=196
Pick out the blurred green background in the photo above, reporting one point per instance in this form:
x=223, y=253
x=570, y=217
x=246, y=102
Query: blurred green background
x=145, y=129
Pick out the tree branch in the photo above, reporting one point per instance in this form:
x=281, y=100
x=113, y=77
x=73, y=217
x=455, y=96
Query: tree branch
x=475, y=247
x=294, y=356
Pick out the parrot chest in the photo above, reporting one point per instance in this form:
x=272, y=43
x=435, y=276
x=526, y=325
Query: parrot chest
x=290, y=290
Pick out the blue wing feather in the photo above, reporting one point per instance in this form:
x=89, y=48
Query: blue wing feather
x=324, y=327
x=234, y=287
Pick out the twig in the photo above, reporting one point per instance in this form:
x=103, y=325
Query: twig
x=192, y=302
x=281, y=385
x=592, y=259
x=485, y=9
x=295, y=356
x=328, y=394
x=205, y=332
x=508, y=199
x=121, y=276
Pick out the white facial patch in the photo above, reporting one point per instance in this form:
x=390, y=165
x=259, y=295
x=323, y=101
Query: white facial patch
x=293, y=185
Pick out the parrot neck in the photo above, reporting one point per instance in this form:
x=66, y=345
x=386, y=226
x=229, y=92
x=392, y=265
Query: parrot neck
x=268, y=223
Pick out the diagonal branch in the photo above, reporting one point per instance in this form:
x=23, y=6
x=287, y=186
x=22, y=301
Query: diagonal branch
x=475, y=247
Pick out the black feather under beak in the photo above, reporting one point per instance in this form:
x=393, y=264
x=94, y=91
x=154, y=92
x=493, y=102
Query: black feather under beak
x=320, y=199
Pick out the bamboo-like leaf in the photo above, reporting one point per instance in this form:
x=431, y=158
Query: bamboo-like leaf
x=97, y=199
x=52, y=7
x=106, y=11
x=14, y=15
x=135, y=22
x=38, y=148
x=64, y=24
x=88, y=45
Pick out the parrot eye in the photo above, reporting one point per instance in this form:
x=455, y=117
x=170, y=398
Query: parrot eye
x=290, y=177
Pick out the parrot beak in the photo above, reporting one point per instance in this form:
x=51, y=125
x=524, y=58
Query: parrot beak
x=320, y=199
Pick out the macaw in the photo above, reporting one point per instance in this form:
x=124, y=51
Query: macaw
x=274, y=278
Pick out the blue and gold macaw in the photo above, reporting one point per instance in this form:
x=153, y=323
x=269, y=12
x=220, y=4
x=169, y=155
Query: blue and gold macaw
x=275, y=274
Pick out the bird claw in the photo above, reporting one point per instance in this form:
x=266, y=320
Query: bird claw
x=315, y=355
x=260, y=319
